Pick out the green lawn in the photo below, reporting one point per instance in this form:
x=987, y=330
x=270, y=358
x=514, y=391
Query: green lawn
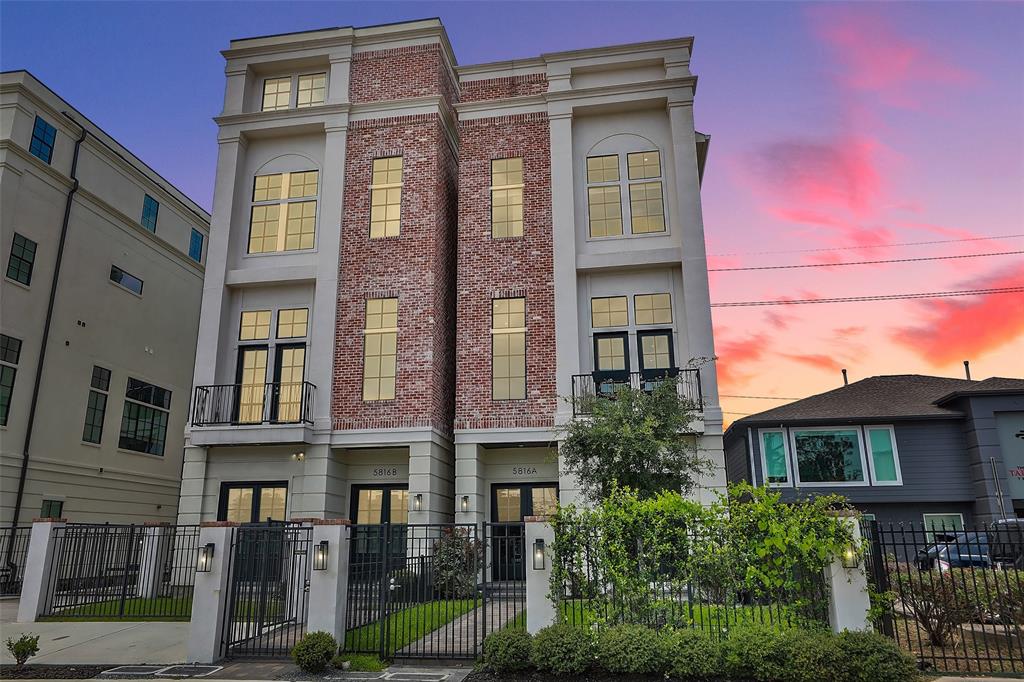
x=136, y=608
x=408, y=625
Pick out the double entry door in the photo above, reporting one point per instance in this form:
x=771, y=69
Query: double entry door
x=279, y=401
x=510, y=504
x=373, y=506
x=655, y=358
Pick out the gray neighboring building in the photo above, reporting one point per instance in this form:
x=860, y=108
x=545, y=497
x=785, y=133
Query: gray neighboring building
x=902, y=448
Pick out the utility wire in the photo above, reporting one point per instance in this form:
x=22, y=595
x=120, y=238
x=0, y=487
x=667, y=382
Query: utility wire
x=868, y=246
x=886, y=297
x=865, y=262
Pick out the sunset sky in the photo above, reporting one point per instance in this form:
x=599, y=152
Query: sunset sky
x=840, y=132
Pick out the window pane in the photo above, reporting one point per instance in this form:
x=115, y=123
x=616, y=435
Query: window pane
x=255, y=325
x=605, y=205
x=506, y=172
x=545, y=501
x=300, y=225
x=646, y=208
x=939, y=523
x=386, y=198
x=23, y=256
x=143, y=429
x=150, y=209
x=508, y=366
x=303, y=184
x=272, y=504
x=603, y=168
x=653, y=308
x=267, y=187
x=195, y=246
x=100, y=378
x=291, y=323
x=7, y=375
x=292, y=364
x=608, y=312
x=239, y=505
x=10, y=349
x=829, y=456
x=399, y=506
x=43, y=136
x=655, y=351
x=644, y=165
x=507, y=213
x=311, y=90
x=380, y=349
x=252, y=390
x=368, y=508
x=508, y=313
x=883, y=455
x=509, y=509
x=277, y=93
x=126, y=280
x=774, y=447
x=94, y=413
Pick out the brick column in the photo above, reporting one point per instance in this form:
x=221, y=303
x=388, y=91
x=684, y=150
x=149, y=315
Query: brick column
x=38, y=566
x=540, y=610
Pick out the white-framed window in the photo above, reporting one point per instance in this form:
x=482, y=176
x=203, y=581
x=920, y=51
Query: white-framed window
x=883, y=455
x=951, y=522
x=776, y=469
x=829, y=456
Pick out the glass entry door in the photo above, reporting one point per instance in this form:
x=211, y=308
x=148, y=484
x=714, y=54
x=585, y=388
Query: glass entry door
x=510, y=505
x=288, y=376
x=611, y=361
x=252, y=384
x=372, y=506
x=657, y=356
x=252, y=502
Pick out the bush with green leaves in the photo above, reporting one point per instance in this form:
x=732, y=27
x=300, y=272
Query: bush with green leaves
x=629, y=649
x=507, y=650
x=359, y=663
x=315, y=651
x=23, y=648
x=562, y=648
x=810, y=655
x=755, y=653
x=458, y=557
x=870, y=657
x=936, y=600
x=999, y=594
x=690, y=654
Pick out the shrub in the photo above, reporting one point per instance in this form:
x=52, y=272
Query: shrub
x=507, y=650
x=314, y=651
x=24, y=648
x=562, y=648
x=936, y=601
x=360, y=663
x=457, y=558
x=690, y=654
x=999, y=594
x=810, y=656
x=870, y=657
x=755, y=653
x=629, y=649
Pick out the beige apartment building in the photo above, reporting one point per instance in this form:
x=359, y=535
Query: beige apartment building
x=103, y=264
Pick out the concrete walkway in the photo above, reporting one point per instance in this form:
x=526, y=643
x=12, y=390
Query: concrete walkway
x=462, y=635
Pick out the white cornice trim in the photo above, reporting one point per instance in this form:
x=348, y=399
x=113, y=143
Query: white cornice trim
x=624, y=89
x=504, y=69
x=46, y=169
x=499, y=106
x=313, y=114
x=623, y=49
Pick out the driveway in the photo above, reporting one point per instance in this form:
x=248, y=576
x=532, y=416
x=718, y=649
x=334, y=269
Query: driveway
x=117, y=643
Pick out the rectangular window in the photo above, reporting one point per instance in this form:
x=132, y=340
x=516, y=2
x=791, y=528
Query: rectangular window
x=126, y=280
x=942, y=523
x=653, y=308
x=643, y=165
x=10, y=349
x=144, y=421
x=611, y=353
x=506, y=198
x=292, y=322
x=288, y=224
x=289, y=375
x=23, y=257
x=774, y=458
x=508, y=348
x=252, y=384
x=96, y=408
x=885, y=461
x=43, y=136
x=386, y=198
x=255, y=325
x=380, y=349
x=277, y=93
x=829, y=456
x=150, y=209
x=195, y=246
x=51, y=509
x=10, y=353
x=646, y=207
x=605, y=207
x=608, y=312
x=312, y=88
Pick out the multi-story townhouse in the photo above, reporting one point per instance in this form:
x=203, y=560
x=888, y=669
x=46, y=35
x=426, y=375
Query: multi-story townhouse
x=103, y=272
x=465, y=247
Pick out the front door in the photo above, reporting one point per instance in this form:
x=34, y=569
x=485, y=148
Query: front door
x=510, y=505
x=372, y=507
x=251, y=378
x=289, y=371
x=611, y=361
x=657, y=357
x=252, y=502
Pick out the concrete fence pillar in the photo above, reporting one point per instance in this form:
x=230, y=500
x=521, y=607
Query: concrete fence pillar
x=847, y=582
x=540, y=610
x=210, y=594
x=328, y=586
x=153, y=558
x=35, y=588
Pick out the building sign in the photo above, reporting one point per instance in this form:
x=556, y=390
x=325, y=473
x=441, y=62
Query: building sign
x=1010, y=426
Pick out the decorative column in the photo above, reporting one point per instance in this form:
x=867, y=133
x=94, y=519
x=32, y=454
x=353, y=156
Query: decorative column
x=847, y=583
x=156, y=550
x=38, y=566
x=210, y=594
x=328, y=581
x=540, y=610
x=470, y=498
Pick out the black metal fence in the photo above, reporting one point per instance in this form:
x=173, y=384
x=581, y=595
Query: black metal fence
x=122, y=572
x=952, y=597
x=274, y=402
x=701, y=583
x=13, y=553
x=268, y=595
x=594, y=385
x=504, y=577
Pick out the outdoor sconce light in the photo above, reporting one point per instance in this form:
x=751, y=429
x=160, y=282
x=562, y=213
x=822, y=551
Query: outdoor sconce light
x=850, y=558
x=538, y=555
x=320, y=557
x=465, y=503
x=417, y=502
x=205, y=558
x=299, y=456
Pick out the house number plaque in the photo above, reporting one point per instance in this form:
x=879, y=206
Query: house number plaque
x=524, y=471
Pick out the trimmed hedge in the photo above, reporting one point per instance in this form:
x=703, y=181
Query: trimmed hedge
x=314, y=651
x=629, y=649
x=563, y=648
x=507, y=650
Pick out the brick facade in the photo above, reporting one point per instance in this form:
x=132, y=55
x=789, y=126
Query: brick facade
x=491, y=268
x=401, y=73
x=500, y=88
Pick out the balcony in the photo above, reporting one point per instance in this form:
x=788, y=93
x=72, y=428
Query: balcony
x=586, y=386
x=253, y=404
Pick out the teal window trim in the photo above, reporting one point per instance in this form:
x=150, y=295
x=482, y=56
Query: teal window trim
x=150, y=211
x=195, y=246
x=43, y=137
x=894, y=473
x=795, y=431
x=783, y=441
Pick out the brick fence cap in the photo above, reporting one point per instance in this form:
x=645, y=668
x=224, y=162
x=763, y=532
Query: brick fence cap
x=219, y=524
x=536, y=519
x=156, y=524
x=332, y=522
x=48, y=519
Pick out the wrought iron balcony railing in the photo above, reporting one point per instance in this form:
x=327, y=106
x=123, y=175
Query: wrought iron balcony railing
x=597, y=385
x=243, y=404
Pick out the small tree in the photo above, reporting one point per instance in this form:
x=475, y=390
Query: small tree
x=457, y=558
x=637, y=439
x=24, y=648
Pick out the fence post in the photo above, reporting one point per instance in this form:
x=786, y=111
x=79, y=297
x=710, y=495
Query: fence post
x=540, y=611
x=328, y=586
x=848, y=601
x=156, y=536
x=210, y=594
x=38, y=567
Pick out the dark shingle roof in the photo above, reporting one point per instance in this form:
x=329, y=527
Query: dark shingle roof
x=990, y=386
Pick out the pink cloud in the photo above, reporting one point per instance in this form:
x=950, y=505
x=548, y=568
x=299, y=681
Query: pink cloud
x=779, y=320
x=732, y=355
x=815, y=360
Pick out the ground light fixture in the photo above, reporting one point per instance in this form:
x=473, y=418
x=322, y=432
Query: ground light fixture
x=539, y=561
x=320, y=556
x=465, y=503
x=851, y=559
x=205, y=559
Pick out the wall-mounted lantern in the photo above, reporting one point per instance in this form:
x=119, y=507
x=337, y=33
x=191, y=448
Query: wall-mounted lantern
x=851, y=558
x=539, y=561
x=465, y=503
x=320, y=557
x=205, y=559
x=417, y=502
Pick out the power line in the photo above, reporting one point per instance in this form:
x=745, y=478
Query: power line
x=756, y=397
x=865, y=262
x=856, y=299
x=868, y=246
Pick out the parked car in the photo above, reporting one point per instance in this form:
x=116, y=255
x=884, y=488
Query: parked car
x=1007, y=543
x=955, y=550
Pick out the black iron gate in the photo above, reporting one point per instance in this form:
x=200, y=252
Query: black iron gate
x=268, y=592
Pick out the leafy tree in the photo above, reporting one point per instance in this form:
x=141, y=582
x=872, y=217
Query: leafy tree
x=636, y=439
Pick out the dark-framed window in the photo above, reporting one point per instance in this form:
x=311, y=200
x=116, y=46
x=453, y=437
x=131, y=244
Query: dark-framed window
x=144, y=420
x=23, y=257
x=126, y=280
x=43, y=136
x=10, y=353
x=252, y=501
x=96, y=408
x=380, y=503
x=51, y=509
x=150, y=209
x=195, y=246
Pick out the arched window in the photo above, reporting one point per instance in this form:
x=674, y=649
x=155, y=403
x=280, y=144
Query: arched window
x=283, y=214
x=626, y=167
